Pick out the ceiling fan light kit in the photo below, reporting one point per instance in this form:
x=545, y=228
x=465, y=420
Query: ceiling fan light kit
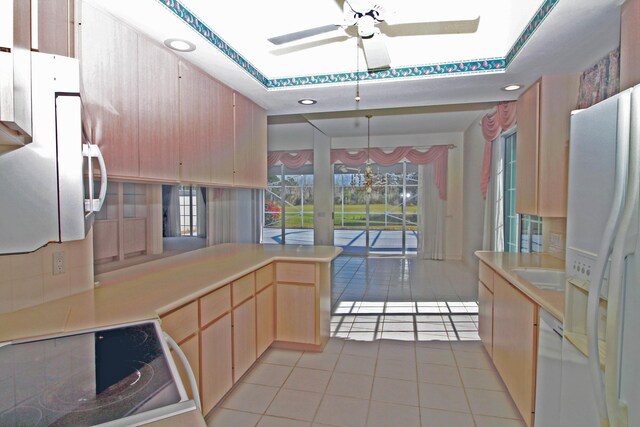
x=365, y=15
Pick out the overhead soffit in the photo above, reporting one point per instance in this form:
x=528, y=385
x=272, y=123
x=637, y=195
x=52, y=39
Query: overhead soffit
x=490, y=65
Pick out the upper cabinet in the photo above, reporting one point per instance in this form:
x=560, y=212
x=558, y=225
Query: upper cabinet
x=206, y=128
x=629, y=41
x=54, y=27
x=108, y=52
x=159, y=119
x=544, y=112
x=250, y=130
x=158, y=112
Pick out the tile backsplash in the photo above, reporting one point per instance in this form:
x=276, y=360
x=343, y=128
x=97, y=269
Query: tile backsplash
x=28, y=279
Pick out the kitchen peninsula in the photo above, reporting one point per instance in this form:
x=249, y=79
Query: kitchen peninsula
x=224, y=305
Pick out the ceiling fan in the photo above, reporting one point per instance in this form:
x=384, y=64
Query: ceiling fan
x=370, y=17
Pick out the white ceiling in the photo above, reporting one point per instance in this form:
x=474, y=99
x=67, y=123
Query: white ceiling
x=573, y=36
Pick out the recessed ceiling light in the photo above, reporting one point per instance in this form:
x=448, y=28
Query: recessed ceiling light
x=307, y=101
x=510, y=88
x=180, y=45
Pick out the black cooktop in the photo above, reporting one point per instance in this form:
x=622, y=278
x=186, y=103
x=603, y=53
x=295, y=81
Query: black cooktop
x=85, y=379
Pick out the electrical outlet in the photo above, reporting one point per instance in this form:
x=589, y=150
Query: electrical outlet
x=59, y=263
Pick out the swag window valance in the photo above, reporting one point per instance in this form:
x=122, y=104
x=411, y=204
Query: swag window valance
x=493, y=125
x=438, y=155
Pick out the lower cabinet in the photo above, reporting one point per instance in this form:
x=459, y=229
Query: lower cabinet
x=296, y=313
x=508, y=328
x=265, y=319
x=216, y=374
x=485, y=317
x=190, y=348
x=244, y=337
x=224, y=332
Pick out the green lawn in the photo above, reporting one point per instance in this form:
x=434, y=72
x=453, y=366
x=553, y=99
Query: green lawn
x=354, y=217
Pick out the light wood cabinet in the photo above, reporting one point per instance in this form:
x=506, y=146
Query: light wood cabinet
x=265, y=319
x=181, y=323
x=485, y=317
x=197, y=107
x=158, y=126
x=224, y=332
x=108, y=53
x=542, y=145
x=217, y=372
x=55, y=27
x=296, y=313
x=244, y=338
x=222, y=150
x=191, y=349
x=629, y=41
x=250, y=143
x=515, y=341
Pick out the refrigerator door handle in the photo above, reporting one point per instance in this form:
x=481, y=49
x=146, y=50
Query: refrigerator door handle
x=604, y=251
x=623, y=247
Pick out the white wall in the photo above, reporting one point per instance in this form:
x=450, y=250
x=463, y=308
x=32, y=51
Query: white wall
x=473, y=203
x=322, y=189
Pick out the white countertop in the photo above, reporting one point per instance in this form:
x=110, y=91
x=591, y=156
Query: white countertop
x=144, y=291
x=504, y=263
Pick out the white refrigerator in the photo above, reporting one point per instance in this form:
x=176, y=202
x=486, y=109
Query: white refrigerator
x=601, y=346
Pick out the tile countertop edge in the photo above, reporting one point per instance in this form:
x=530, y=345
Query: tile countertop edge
x=503, y=263
x=131, y=286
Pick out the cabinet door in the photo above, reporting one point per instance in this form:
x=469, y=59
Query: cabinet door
x=108, y=53
x=217, y=373
x=54, y=27
x=191, y=350
x=244, y=337
x=265, y=319
x=296, y=313
x=629, y=41
x=527, y=151
x=485, y=317
x=197, y=127
x=222, y=150
x=250, y=126
x=558, y=97
x=515, y=344
x=158, y=112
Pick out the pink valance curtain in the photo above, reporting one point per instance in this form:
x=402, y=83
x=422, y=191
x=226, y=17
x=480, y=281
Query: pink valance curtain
x=492, y=125
x=292, y=160
x=438, y=154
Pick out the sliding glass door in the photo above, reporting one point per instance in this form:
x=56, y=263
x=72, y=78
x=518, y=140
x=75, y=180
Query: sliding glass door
x=383, y=223
x=288, y=206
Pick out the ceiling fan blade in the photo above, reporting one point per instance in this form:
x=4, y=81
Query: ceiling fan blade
x=308, y=45
x=430, y=28
x=375, y=52
x=286, y=38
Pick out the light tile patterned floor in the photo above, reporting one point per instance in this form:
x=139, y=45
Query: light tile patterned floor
x=404, y=352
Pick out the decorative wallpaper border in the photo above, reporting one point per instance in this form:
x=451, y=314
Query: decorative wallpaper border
x=535, y=22
x=489, y=65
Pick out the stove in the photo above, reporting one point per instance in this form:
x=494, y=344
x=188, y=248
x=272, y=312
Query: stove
x=116, y=376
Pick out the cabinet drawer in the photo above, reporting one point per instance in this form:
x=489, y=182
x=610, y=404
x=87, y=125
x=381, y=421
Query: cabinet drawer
x=181, y=323
x=294, y=272
x=243, y=288
x=215, y=304
x=486, y=275
x=264, y=277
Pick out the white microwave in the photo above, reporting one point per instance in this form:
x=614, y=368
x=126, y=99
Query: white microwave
x=47, y=189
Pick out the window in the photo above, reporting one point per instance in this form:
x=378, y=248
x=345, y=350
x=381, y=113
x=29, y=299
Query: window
x=188, y=211
x=510, y=216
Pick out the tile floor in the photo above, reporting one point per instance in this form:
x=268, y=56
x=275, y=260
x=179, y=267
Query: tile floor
x=404, y=352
